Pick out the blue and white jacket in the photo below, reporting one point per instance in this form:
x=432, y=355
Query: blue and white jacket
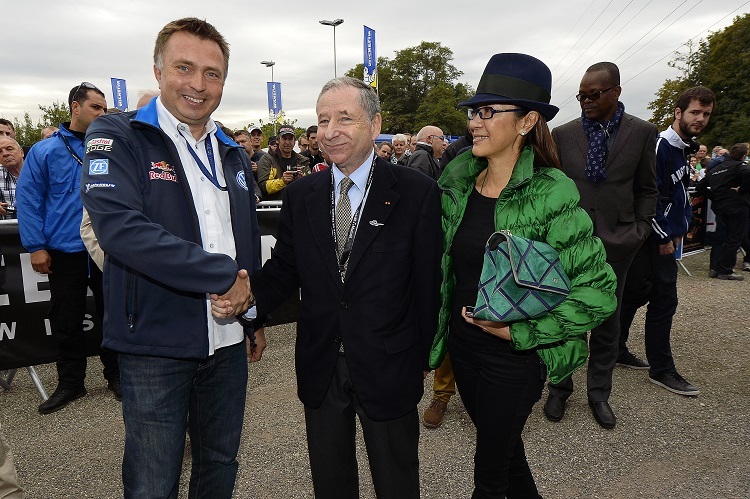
x=156, y=272
x=673, y=210
x=47, y=195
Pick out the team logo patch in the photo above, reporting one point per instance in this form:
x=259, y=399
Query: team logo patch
x=98, y=167
x=99, y=185
x=163, y=166
x=99, y=145
x=241, y=179
x=162, y=171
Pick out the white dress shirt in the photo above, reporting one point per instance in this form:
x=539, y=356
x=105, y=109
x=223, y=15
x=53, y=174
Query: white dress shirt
x=212, y=207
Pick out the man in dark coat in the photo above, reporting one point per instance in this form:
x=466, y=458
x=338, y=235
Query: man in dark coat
x=611, y=157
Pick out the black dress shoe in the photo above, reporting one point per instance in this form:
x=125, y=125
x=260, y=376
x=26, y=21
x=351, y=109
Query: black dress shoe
x=603, y=414
x=60, y=399
x=554, y=408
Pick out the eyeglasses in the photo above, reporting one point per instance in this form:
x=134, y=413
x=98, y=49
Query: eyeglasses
x=488, y=112
x=593, y=95
x=84, y=84
x=439, y=137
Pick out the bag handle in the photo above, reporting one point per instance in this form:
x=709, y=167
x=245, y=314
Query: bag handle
x=497, y=238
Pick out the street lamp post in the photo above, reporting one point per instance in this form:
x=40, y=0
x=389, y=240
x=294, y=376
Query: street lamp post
x=333, y=23
x=270, y=64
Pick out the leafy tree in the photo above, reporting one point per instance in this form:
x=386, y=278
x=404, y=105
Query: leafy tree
x=663, y=107
x=407, y=81
x=724, y=67
x=439, y=108
x=27, y=133
x=55, y=114
x=721, y=63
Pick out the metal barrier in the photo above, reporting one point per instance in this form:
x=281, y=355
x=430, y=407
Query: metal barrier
x=25, y=333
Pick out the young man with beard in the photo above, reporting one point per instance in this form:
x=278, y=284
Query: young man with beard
x=652, y=277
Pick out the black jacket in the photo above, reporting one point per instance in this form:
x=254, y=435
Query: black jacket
x=385, y=313
x=423, y=159
x=723, y=180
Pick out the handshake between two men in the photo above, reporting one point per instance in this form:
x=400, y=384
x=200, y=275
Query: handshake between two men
x=236, y=302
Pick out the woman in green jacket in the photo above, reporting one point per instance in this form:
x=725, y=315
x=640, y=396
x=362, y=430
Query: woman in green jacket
x=511, y=179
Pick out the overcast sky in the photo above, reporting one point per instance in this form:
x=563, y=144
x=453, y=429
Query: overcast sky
x=50, y=46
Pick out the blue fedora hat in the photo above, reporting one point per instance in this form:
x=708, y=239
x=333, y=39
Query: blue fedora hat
x=515, y=79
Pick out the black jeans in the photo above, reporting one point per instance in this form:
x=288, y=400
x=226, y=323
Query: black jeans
x=72, y=274
x=652, y=279
x=735, y=222
x=498, y=387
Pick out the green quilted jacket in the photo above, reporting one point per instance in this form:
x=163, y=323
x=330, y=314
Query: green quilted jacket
x=539, y=204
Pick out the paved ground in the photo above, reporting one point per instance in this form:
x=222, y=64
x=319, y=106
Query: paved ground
x=665, y=445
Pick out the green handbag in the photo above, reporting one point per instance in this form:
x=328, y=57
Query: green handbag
x=521, y=279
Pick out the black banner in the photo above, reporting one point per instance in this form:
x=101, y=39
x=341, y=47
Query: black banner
x=25, y=334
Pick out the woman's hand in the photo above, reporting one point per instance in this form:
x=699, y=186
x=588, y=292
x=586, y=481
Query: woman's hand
x=499, y=329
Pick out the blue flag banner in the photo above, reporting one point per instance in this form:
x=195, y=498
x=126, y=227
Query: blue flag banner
x=274, y=100
x=371, y=59
x=120, y=93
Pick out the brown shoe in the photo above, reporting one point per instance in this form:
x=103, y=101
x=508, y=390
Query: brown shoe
x=433, y=415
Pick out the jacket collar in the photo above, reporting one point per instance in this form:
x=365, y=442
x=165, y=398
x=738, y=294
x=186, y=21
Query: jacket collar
x=424, y=147
x=461, y=173
x=148, y=115
x=673, y=138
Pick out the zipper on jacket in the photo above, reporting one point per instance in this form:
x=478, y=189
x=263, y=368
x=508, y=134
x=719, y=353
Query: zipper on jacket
x=131, y=294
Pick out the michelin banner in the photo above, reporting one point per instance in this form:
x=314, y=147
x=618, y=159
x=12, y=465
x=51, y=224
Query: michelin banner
x=25, y=335
x=370, y=59
x=274, y=100
x=120, y=93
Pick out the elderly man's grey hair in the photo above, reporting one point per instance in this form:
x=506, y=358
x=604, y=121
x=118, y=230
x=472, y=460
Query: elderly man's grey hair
x=368, y=98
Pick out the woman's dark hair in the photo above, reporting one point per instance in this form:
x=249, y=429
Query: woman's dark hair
x=540, y=139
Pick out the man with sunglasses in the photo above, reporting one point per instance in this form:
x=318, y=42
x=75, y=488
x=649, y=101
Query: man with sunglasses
x=49, y=218
x=611, y=157
x=429, y=140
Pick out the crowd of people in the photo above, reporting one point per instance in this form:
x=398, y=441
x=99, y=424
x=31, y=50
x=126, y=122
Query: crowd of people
x=385, y=244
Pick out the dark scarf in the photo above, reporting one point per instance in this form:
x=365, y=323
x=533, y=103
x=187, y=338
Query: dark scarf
x=597, y=134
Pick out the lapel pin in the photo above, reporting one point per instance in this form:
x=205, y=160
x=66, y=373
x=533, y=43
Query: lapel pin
x=375, y=223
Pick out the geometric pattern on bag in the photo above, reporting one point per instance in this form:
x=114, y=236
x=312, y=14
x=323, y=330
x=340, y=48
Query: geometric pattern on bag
x=521, y=279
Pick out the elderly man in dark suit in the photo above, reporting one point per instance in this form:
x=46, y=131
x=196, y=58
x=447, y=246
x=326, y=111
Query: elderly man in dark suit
x=362, y=241
x=611, y=157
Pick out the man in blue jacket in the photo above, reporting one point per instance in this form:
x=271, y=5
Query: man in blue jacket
x=167, y=193
x=652, y=277
x=49, y=210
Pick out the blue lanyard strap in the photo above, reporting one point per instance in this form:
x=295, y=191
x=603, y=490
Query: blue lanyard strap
x=210, y=154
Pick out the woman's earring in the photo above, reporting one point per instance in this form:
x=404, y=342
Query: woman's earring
x=523, y=132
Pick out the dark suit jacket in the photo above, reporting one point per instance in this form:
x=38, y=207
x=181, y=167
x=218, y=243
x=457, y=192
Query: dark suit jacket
x=385, y=313
x=623, y=205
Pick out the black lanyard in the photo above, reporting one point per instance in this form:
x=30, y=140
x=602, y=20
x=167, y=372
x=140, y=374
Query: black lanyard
x=70, y=149
x=210, y=154
x=344, y=256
